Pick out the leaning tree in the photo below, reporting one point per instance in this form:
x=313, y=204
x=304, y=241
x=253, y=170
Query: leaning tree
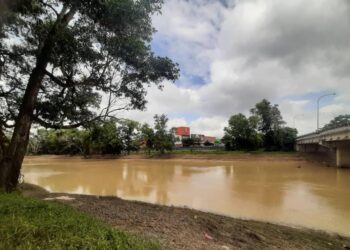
x=67, y=63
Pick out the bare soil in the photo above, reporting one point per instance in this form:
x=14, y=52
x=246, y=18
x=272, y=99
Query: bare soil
x=183, y=228
x=224, y=156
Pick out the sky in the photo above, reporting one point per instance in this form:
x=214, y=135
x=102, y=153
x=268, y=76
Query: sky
x=232, y=54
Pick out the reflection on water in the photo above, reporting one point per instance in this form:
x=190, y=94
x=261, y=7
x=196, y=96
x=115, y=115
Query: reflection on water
x=312, y=196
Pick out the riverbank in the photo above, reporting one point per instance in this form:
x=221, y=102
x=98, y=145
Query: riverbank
x=182, y=228
x=187, y=155
x=29, y=223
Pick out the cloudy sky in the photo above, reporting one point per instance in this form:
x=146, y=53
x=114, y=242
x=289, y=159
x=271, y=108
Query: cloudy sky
x=232, y=54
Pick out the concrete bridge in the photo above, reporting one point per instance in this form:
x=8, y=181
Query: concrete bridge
x=335, y=143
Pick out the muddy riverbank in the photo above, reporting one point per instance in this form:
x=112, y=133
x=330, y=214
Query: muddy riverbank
x=217, y=156
x=206, y=155
x=182, y=228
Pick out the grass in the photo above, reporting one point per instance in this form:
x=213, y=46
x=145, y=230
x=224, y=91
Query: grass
x=28, y=223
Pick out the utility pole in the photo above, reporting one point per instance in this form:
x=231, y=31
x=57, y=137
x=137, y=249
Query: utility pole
x=318, y=108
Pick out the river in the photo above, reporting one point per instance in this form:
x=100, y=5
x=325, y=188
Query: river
x=291, y=192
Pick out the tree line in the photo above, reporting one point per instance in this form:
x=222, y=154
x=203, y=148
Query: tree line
x=112, y=137
x=263, y=129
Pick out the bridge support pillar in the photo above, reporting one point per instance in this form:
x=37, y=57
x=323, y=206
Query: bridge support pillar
x=343, y=156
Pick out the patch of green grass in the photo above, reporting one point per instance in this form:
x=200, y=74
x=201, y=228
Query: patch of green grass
x=27, y=223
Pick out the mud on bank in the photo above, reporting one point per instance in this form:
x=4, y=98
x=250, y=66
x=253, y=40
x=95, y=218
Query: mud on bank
x=182, y=228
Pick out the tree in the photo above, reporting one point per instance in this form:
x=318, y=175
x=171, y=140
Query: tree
x=163, y=139
x=241, y=134
x=285, y=138
x=268, y=119
x=56, y=59
x=104, y=138
x=188, y=142
x=68, y=141
x=148, y=137
x=337, y=122
x=129, y=132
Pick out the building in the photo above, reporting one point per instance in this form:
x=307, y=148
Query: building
x=181, y=133
x=209, y=139
x=202, y=139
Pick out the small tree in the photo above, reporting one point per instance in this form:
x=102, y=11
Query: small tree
x=129, y=131
x=268, y=119
x=163, y=139
x=241, y=134
x=148, y=137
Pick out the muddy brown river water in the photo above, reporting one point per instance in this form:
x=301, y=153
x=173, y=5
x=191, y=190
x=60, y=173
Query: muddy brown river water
x=287, y=192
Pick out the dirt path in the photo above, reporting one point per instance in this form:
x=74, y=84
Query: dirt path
x=181, y=228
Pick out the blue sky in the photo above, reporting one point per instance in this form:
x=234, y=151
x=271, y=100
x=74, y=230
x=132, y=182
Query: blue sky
x=233, y=54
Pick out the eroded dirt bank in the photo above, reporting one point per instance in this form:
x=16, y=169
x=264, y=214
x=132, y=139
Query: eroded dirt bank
x=182, y=228
x=223, y=156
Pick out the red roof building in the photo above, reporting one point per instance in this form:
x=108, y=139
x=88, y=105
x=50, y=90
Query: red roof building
x=183, y=131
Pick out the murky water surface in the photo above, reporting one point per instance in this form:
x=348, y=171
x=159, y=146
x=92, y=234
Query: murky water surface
x=312, y=196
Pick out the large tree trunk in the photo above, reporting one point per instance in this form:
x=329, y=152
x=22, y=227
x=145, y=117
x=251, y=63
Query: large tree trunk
x=10, y=165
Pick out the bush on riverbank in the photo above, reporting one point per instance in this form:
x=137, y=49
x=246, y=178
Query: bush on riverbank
x=33, y=224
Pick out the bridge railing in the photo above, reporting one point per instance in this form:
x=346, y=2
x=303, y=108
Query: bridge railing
x=325, y=132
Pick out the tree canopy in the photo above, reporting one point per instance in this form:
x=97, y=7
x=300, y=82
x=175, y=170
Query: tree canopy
x=264, y=128
x=65, y=64
x=241, y=134
x=337, y=122
x=95, y=47
x=163, y=138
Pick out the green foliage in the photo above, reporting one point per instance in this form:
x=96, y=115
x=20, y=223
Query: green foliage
x=104, y=138
x=69, y=141
x=148, y=137
x=107, y=137
x=163, y=139
x=241, y=134
x=337, y=122
x=188, y=142
x=269, y=120
x=285, y=138
x=86, y=48
x=263, y=129
x=129, y=133
x=32, y=224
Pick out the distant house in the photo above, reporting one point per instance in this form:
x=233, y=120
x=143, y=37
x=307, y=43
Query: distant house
x=210, y=139
x=202, y=139
x=181, y=133
x=198, y=139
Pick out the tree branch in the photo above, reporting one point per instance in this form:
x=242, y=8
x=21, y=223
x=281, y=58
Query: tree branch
x=55, y=79
x=50, y=7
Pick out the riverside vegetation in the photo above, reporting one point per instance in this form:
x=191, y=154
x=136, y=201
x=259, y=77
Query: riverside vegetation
x=57, y=59
x=29, y=223
x=263, y=131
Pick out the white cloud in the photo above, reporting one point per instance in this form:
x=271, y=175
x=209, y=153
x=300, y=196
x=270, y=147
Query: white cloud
x=287, y=51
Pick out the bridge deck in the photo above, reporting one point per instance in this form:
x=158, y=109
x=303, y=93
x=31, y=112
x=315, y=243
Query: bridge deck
x=338, y=134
